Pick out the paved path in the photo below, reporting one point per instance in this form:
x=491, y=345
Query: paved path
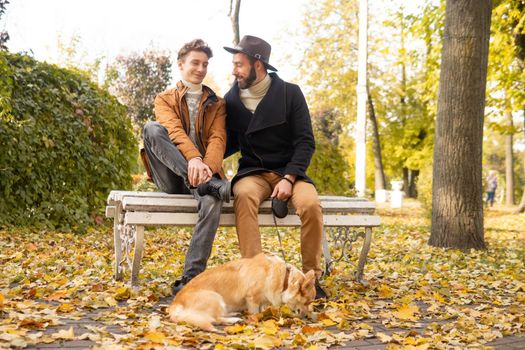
x=80, y=326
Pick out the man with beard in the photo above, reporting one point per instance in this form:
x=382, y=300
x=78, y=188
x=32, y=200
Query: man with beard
x=269, y=123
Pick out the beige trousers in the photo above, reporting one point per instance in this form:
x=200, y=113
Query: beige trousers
x=251, y=190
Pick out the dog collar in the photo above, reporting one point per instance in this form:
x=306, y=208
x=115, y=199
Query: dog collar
x=286, y=276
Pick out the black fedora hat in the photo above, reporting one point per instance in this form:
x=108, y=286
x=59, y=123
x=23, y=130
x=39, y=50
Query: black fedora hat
x=254, y=47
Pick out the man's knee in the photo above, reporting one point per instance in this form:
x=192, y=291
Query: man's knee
x=209, y=204
x=245, y=190
x=153, y=130
x=310, y=205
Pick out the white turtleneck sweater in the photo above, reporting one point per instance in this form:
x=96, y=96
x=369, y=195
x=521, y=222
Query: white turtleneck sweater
x=193, y=98
x=251, y=96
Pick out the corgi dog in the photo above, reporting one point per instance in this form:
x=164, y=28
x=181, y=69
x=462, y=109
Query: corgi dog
x=250, y=284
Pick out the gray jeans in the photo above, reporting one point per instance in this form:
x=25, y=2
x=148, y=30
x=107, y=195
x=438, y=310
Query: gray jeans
x=169, y=171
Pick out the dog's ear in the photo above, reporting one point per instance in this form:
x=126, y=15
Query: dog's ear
x=309, y=279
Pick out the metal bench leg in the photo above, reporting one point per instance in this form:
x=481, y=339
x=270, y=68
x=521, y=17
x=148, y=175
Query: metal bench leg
x=137, y=255
x=364, y=253
x=327, y=256
x=117, y=230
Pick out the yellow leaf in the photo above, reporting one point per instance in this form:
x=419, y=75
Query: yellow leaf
x=64, y=334
x=2, y=298
x=65, y=308
x=270, y=327
x=62, y=281
x=122, y=293
x=299, y=339
x=363, y=325
x=407, y=313
x=110, y=301
x=410, y=341
x=438, y=297
x=385, y=291
x=237, y=328
x=362, y=333
x=155, y=336
x=266, y=342
x=328, y=322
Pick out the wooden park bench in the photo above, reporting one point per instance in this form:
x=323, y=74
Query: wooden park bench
x=132, y=211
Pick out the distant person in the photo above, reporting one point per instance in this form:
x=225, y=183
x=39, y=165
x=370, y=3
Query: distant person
x=269, y=123
x=185, y=149
x=492, y=185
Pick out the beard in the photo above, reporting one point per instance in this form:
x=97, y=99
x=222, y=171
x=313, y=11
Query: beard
x=249, y=79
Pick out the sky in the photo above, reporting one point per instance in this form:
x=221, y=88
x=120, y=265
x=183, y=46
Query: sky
x=111, y=27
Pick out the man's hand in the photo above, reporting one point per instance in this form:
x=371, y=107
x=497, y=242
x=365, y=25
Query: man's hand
x=283, y=189
x=198, y=172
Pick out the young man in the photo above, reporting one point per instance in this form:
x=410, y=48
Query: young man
x=185, y=149
x=269, y=123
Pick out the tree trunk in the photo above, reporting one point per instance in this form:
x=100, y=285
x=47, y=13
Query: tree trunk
x=412, y=179
x=509, y=164
x=235, y=6
x=380, y=182
x=406, y=181
x=457, y=198
x=521, y=207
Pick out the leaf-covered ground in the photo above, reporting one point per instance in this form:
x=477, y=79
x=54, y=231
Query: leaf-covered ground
x=417, y=297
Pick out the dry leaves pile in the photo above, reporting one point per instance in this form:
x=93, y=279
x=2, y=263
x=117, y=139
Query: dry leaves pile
x=417, y=297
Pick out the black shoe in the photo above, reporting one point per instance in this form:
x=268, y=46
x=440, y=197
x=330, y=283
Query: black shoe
x=219, y=189
x=319, y=291
x=279, y=208
x=178, y=284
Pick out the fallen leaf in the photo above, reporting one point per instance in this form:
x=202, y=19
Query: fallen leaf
x=155, y=336
x=235, y=329
x=64, y=308
x=407, y=312
x=385, y=292
x=384, y=338
x=64, y=334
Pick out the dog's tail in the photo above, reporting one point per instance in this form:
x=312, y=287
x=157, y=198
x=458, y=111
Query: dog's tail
x=197, y=318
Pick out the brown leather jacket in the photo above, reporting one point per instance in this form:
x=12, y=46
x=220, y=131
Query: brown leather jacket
x=172, y=112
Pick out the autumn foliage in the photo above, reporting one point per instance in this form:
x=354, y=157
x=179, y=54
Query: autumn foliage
x=417, y=297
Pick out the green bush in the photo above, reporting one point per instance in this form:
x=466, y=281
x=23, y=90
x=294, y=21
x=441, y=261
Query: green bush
x=65, y=144
x=328, y=169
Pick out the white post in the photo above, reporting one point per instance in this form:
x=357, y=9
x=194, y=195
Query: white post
x=360, y=157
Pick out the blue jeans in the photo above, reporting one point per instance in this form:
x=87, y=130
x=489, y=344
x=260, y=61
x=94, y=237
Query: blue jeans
x=490, y=198
x=169, y=171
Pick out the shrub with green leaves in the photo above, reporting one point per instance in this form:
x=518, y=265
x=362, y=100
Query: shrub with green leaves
x=65, y=144
x=328, y=169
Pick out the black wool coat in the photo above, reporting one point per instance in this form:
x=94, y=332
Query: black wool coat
x=277, y=137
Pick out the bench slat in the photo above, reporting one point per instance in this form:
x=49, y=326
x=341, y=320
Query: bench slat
x=117, y=196
x=189, y=219
x=189, y=205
